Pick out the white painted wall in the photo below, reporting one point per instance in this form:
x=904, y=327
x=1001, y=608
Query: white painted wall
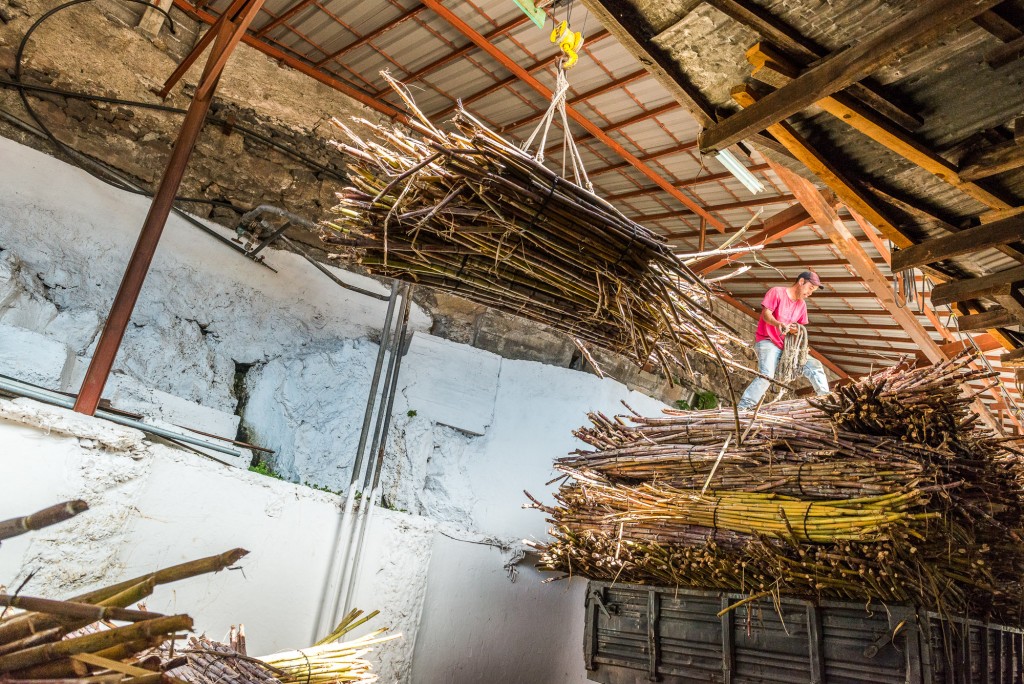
x=471, y=431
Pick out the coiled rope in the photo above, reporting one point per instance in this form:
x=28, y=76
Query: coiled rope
x=794, y=356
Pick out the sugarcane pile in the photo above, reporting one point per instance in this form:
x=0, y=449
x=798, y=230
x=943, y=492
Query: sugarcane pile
x=888, y=489
x=330, y=659
x=468, y=212
x=46, y=640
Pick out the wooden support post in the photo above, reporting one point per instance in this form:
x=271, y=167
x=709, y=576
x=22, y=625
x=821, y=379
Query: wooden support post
x=917, y=28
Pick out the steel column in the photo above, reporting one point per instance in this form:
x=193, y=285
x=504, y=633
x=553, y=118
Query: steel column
x=227, y=37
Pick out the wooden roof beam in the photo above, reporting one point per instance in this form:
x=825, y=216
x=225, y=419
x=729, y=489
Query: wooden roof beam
x=993, y=160
x=984, y=287
x=772, y=68
x=966, y=241
x=916, y=29
x=739, y=204
x=997, y=317
x=854, y=197
x=805, y=51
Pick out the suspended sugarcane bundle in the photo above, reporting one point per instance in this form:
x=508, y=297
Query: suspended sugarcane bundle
x=468, y=212
x=887, y=489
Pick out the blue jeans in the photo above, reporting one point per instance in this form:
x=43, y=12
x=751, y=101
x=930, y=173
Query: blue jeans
x=767, y=359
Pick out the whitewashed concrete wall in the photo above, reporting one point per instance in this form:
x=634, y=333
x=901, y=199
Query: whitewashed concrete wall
x=471, y=431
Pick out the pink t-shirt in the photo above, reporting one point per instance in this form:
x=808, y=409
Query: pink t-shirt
x=785, y=309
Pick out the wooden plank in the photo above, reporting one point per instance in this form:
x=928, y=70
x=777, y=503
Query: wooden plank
x=916, y=29
x=997, y=317
x=997, y=26
x=1000, y=283
x=964, y=242
x=770, y=68
x=993, y=160
x=631, y=30
x=869, y=207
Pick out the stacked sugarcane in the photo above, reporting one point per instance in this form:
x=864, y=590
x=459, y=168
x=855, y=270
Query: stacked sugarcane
x=330, y=659
x=80, y=639
x=887, y=489
x=468, y=212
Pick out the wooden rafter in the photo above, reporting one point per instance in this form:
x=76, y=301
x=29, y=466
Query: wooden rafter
x=964, y=242
x=928, y=21
x=836, y=179
x=773, y=69
x=984, y=287
x=805, y=51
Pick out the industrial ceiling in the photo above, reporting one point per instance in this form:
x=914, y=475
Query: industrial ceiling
x=654, y=77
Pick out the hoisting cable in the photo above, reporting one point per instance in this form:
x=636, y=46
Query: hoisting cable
x=569, y=44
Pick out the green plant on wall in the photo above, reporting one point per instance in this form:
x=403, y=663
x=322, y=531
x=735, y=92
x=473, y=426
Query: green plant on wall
x=701, y=402
x=263, y=468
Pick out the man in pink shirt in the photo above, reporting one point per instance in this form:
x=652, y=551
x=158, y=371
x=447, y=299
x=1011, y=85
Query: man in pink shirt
x=782, y=308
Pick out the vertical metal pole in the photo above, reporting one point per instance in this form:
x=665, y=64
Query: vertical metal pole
x=373, y=470
x=102, y=361
x=334, y=589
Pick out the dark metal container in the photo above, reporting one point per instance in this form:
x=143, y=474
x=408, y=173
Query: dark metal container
x=638, y=634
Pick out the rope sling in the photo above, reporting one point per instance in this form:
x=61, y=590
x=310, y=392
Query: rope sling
x=570, y=150
x=792, y=360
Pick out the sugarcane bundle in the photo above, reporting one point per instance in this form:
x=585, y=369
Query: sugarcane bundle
x=915, y=501
x=80, y=639
x=468, y=212
x=331, y=660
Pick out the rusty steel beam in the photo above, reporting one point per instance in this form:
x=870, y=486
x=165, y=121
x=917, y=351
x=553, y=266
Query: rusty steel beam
x=363, y=40
x=228, y=34
x=582, y=97
x=510, y=64
x=739, y=204
x=459, y=52
x=283, y=17
x=327, y=79
x=506, y=82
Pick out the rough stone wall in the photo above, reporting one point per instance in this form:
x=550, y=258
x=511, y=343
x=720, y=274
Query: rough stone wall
x=95, y=49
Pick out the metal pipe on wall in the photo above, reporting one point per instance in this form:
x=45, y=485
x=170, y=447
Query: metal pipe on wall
x=372, y=479
x=339, y=557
